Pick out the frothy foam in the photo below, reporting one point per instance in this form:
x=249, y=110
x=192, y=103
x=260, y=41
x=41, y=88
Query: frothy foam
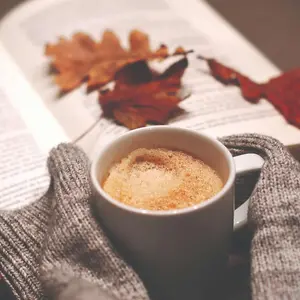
x=161, y=179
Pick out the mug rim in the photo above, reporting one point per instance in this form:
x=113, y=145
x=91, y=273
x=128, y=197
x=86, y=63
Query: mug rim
x=178, y=211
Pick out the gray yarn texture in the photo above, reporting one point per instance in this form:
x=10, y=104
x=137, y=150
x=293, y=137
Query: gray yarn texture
x=56, y=249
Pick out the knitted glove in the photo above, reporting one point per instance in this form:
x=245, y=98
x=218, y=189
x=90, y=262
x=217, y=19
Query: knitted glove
x=58, y=242
x=274, y=215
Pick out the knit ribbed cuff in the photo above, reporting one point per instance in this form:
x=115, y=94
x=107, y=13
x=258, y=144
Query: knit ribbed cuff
x=69, y=168
x=254, y=143
x=21, y=236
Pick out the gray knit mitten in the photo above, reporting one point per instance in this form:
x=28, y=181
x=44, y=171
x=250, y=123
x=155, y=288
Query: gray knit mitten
x=274, y=216
x=58, y=242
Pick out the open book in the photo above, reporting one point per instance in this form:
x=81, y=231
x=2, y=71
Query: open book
x=33, y=119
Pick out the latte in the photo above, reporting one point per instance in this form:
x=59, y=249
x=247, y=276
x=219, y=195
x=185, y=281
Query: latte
x=161, y=179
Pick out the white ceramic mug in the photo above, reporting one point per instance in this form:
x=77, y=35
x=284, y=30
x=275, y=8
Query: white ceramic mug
x=174, y=245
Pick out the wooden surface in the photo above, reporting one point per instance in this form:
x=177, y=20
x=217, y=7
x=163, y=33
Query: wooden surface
x=271, y=25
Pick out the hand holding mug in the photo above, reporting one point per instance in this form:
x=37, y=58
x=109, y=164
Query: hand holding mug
x=178, y=246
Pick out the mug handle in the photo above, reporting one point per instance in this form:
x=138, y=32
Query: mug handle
x=243, y=164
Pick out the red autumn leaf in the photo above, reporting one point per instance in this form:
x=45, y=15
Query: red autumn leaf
x=142, y=97
x=250, y=89
x=283, y=91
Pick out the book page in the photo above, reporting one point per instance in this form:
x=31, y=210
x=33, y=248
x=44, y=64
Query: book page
x=27, y=132
x=213, y=108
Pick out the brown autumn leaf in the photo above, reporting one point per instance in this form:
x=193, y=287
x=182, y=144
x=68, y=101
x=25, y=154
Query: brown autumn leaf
x=141, y=96
x=72, y=60
x=82, y=59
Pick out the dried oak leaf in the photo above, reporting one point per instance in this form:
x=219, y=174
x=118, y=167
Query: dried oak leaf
x=82, y=59
x=282, y=91
x=134, y=102
x=72, y=60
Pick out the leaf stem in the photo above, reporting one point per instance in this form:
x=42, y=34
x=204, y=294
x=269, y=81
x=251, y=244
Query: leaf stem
x=201, y=57
x=87, y=131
